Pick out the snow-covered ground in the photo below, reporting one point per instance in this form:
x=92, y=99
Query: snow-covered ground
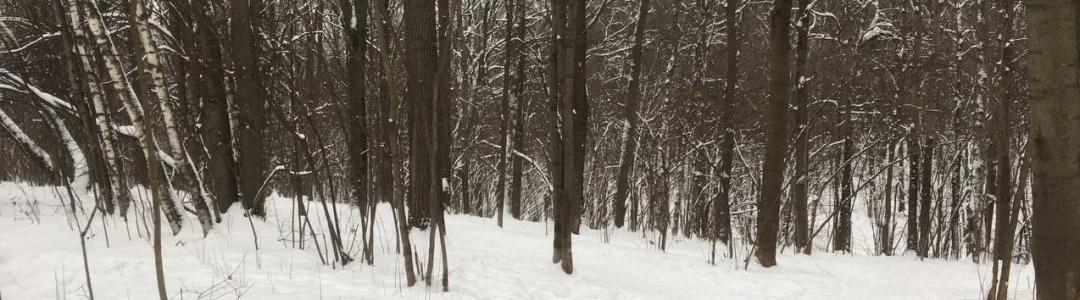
x=40, y=258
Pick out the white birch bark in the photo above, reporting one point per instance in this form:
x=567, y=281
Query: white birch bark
x=157, y=85
x=108, y=137
x=135, y=113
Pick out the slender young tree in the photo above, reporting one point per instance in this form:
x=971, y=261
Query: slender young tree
x=380, y=11
x=925, y=197
x=630, y=117
x=913, y=194
x=354, y=15
x=842, y=235
x=518, y=130
x=722, y=206
x=504, y=115
x=799, y=191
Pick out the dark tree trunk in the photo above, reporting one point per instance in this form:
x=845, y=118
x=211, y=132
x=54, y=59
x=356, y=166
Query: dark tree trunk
x=504, y=112
x=913, y=194
x=250, y=100
x=466, y=199
x=571, y=110
x=925, y=197
x=516, y=170
x=380, y=14
x=799, y=191
x=421, y=61
x=842, y=237
x=772, y=178
x=1052, y=26
x=722, y=207
x=885, y=228
x=354, y=17
x=1001, y=137
x=629, y=136
x=216, y=133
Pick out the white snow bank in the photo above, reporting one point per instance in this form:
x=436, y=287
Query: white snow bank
x=40, y=259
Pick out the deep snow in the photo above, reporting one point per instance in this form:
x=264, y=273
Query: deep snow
x=40, y=258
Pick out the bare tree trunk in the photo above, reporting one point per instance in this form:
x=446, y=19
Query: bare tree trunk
x=722, y=207
x=159, y=268
x=155, y=78
x=926, y=197
x=443, y=138
x=108, y=141
x=559, y=208
x=216, y=132
x=571, y=108
x=380, y=12
x=1002, y=137
x=772, y=178
x=143, y=127
x=913, y=194
x=1052, y=27
x=354, y=15
x=504, y=115
x=885, y=229
x=519, y=120
x=578, y=109
x=842, y=237
x=420, y=61
x=250, y=100
x=630, y=117
x=799, y=191
x=105, y=196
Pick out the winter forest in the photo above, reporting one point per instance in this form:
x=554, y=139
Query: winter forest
x=540, y=149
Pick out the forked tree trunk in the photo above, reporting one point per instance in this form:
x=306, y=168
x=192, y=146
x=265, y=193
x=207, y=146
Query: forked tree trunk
x=380, y=12
x=1001, y=137
x=571, y=110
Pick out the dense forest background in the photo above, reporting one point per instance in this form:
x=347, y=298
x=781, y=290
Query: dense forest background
x=752, y=124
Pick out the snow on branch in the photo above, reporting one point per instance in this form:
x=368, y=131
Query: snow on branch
x=20, y=136
x=41, y=38
x=12, y=82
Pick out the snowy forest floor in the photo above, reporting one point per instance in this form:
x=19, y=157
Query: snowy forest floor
x=40, y=258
